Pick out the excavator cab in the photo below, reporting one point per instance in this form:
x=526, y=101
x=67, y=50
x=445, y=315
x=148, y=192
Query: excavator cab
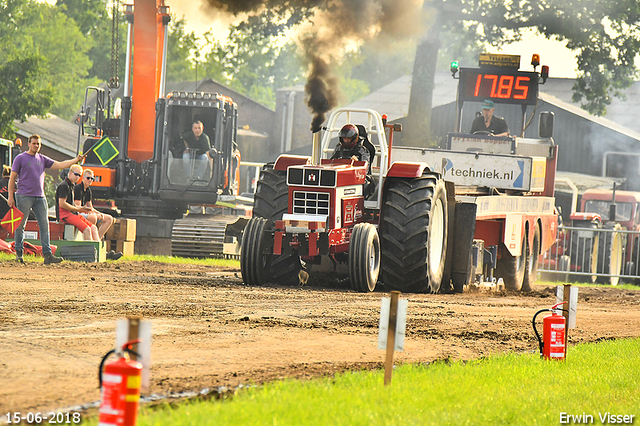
x=191, y=178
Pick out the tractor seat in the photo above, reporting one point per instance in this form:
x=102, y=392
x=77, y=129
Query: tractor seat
x=367, y=144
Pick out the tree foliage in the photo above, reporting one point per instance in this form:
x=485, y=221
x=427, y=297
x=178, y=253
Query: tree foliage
x=254, y=60
x=20, y=95
x=181, y=49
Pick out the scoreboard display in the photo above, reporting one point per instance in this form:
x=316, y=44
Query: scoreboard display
x=501, y=85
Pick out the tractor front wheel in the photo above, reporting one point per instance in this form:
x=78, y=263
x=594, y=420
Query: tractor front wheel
x=254, y=262
x=364, y=257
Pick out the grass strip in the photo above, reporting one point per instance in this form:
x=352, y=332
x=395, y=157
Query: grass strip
x=228, y=263
x=621, y=285
x=508, y=389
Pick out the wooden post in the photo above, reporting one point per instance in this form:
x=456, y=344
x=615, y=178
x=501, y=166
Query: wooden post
x=134, y=327
x=391, y=337
x=566, y=297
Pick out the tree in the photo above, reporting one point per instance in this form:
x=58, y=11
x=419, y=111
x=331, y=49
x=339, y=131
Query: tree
x=42, y=31
x=181, y=47
x=96, y=21
x=20, y=95
x=604, y=33
x=254, y=61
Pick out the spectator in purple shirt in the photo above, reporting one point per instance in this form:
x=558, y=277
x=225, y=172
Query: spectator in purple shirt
x=28, y=168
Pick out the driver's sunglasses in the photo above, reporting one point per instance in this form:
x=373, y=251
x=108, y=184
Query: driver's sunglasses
x=90, y=178
x=77, y=174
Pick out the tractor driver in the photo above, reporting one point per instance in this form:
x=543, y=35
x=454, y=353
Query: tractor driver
x=351, y=147
x=489, y=123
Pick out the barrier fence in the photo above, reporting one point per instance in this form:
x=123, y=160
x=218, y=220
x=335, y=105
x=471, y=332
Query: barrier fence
x=607, y=255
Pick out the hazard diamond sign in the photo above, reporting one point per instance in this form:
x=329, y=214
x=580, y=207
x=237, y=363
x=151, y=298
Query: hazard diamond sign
x=11, y=220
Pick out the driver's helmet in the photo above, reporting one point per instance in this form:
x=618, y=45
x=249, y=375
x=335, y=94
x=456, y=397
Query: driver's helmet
x=348, y=136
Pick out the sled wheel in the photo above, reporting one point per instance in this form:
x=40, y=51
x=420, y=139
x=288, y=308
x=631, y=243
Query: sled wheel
x=531, y=267
x=512, y=268
x=584, y=252
x=413, y=233
x=610, y=254
x=364, y=257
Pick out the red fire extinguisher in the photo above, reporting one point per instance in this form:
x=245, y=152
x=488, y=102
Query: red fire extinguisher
x=554, y=328
x=120, y=387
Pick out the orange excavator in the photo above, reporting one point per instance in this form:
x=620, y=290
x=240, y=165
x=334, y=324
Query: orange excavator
x=145, y=171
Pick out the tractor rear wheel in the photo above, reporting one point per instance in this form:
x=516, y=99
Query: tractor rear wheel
x=531, y=267
x=413, y=233
x=271, y=201
x=512, y=268
x=364, y=257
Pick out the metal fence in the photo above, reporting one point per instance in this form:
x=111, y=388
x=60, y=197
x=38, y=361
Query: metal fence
x=607, y=255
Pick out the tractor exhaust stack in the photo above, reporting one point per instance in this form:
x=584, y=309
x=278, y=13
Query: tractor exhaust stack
x=316, y=150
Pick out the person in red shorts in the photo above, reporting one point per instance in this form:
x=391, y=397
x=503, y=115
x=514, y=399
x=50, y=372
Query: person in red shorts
x=67, y=211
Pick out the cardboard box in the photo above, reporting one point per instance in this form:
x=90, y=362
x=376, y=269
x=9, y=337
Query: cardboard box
x=125, y=247
x=122, y=230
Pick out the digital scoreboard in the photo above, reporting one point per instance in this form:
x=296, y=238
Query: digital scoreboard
x=501, y=85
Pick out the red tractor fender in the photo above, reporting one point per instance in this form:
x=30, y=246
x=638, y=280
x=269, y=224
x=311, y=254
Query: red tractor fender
x=407, y=170
x=284, y=161
x=585, y=216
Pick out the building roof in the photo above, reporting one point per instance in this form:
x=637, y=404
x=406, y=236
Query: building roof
x=393, y=100
x=56, y=133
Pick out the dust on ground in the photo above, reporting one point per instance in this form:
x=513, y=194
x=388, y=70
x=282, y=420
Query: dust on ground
x=210, y=330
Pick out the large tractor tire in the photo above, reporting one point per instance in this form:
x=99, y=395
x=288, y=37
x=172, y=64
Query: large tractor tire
x=271, y=201
x=413, y=233
x=254, y=262
x=364, y=257
x=610, y=254
x=583, y=251
x=531, y=266
x=512, y=268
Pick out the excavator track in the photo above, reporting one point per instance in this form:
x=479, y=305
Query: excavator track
x=206, y=236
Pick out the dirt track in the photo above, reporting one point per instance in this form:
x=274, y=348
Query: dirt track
x=210, y=330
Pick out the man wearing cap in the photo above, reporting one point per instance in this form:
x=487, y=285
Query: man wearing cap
x=488, y=122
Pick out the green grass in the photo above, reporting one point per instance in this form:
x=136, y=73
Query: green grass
x=621, y=285
x=509, y=389
x=230, y=263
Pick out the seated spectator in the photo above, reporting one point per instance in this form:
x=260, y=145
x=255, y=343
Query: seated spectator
x=67, y=211
x=82, y=197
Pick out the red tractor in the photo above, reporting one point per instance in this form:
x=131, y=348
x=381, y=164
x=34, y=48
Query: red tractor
x=306, y=212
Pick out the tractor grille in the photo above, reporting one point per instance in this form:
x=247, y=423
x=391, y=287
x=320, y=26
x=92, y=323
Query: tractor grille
x=311, y=202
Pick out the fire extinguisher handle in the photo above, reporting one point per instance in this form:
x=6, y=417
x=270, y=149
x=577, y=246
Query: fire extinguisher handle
x=104, y=358
x=535, y=330
x=111, y=352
